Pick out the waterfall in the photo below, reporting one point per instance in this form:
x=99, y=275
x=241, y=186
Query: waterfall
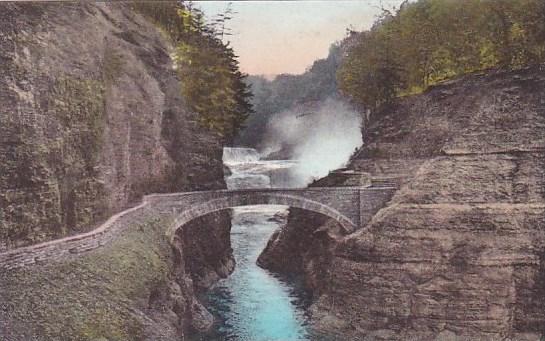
x=233, y=155
x=248, y=171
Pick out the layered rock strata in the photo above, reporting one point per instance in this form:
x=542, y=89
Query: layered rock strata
x=459, y=252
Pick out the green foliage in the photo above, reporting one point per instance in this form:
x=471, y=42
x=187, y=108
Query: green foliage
x=428, y=41
x=97, y=296
x=212, y=83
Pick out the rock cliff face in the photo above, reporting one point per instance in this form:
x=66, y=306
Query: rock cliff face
x=91, y=119
x=459, y=252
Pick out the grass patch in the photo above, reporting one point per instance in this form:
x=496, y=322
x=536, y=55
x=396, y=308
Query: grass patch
x=95, y=296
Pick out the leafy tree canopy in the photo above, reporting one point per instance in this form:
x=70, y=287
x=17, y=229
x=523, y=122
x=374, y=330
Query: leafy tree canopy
x=428, y=41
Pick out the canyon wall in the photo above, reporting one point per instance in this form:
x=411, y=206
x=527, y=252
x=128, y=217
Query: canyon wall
x=459, y=252
x=91, y=119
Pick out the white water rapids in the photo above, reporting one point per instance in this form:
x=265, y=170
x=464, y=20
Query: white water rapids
x=249, y=171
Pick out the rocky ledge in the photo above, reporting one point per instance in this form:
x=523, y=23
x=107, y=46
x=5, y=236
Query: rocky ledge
x=459, y=252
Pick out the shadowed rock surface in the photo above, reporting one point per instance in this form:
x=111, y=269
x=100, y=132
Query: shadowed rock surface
x=459, y=252
x=91, y=119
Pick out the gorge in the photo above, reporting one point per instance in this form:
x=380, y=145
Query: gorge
x=252, y=303
x=134, y=205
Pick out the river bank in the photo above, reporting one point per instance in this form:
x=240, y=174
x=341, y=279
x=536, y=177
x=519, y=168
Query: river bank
x=253, y=303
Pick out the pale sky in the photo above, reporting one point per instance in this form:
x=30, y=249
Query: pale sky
x=274, y=37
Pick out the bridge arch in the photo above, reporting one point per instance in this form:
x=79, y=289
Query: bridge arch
x=227, y=201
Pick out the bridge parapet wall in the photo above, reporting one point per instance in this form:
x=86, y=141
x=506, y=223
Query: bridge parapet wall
x=288, y=198
x=351, y=207
x=68, y=246
x=371, y=201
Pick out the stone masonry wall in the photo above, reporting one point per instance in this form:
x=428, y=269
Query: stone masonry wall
x=181, y=207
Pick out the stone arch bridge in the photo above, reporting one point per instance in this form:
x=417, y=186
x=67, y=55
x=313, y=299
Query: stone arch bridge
x=351, y=207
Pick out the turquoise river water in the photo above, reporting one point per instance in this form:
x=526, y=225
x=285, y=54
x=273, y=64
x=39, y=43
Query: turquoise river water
x=253, y=304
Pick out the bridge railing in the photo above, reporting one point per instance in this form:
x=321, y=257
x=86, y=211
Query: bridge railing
x=81, y=243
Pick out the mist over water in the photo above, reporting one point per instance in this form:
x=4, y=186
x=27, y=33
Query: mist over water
x=319, y=139
x=253, y=304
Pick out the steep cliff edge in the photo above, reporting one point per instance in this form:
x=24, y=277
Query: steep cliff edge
x=91, y=119
x=459, y=252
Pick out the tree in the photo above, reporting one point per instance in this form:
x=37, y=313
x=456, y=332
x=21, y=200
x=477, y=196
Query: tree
x=212, y=83
x=428, y=41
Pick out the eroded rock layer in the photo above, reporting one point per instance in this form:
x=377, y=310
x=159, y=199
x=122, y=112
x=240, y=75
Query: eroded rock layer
x=459, y=252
